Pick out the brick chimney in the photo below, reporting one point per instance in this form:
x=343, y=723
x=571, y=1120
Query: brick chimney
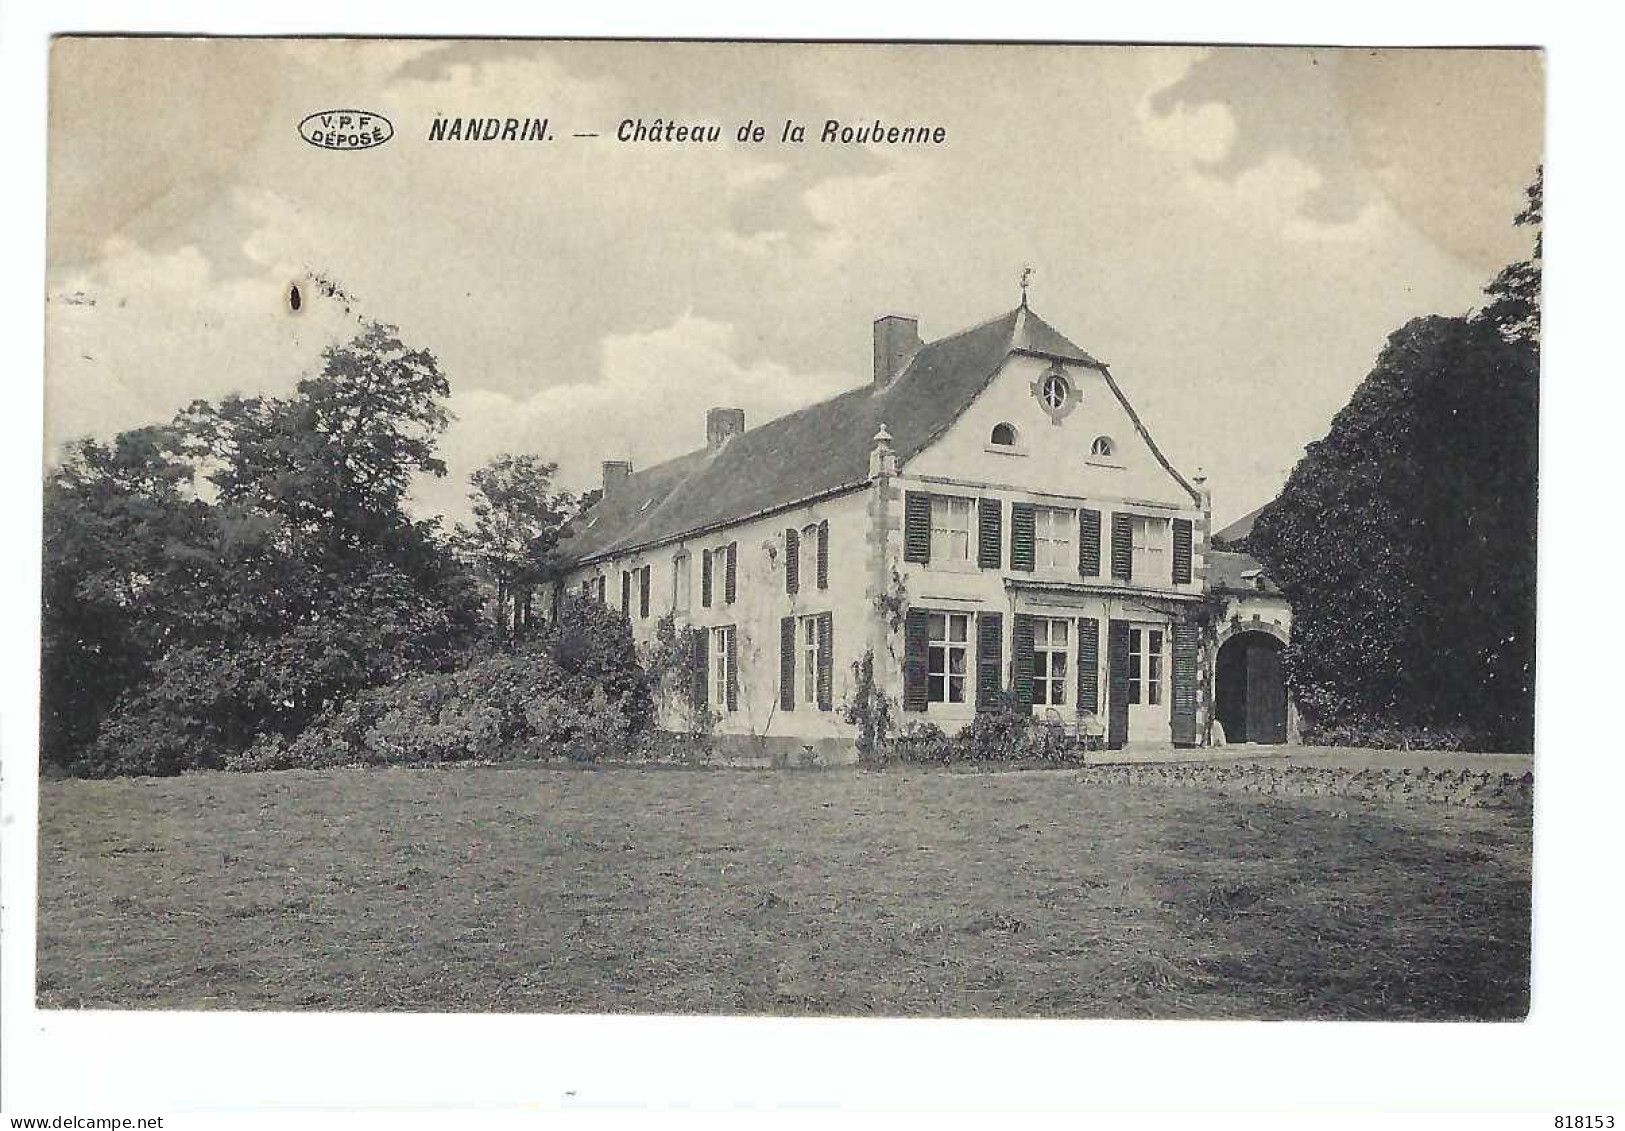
x=897, y=339
x=616, y=473
x=720, y=423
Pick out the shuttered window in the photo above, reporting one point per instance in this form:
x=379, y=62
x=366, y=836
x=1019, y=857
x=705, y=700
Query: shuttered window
x=916, y=527
x=916, y=641
x=826, y=661
x=1052, y=646
x=1123, y=547
x=700, y=660
x=1021, y=655
x=1089, y=543
x=787, y=663
x=643, y=592
x=792, y=560
x=1182, y=551
x=1053, y=530
x=1021, y=536
x=705, y=578
x=626, y=593
x=989, y=660
x=1117, y=683
x=1183, y=721
x=948, y=658
x=1089, y=665
x=810, y=662
x=990, y=534
x=724, y=668
x=823, y=554
x=680, y=583
x=1150, y=541
x=729, y=585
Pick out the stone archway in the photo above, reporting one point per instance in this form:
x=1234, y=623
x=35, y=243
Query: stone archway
x=1249, y=688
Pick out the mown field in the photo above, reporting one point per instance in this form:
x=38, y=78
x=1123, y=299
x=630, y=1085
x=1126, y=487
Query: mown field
x=909, y=892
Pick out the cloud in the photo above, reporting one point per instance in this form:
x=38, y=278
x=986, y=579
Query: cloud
x=648, y=406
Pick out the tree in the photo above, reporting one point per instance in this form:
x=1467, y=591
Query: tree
x=1515, y=291
x=517, y=521
x=210, y=615
x=1405, y=538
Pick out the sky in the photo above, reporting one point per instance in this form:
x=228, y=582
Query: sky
x=1234, y=231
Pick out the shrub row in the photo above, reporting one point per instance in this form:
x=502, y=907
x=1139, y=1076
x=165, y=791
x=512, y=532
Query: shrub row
x=577, y=691
x=1008, y=733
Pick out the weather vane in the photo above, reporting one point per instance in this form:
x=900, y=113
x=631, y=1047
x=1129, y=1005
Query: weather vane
x=1026, y=274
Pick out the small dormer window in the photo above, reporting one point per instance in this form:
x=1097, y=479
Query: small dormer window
x=1004, y=435
x=1103, y=447
x=1054, y=392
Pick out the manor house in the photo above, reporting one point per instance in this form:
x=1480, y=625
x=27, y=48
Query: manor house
x=988, y=515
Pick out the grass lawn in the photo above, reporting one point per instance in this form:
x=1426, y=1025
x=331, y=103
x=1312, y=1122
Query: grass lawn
x=554, y=889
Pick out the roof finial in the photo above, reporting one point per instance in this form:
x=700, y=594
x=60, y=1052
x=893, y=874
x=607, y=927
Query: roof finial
x=1026, y=274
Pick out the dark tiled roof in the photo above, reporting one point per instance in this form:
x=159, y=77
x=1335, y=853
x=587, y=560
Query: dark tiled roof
x=1229, y=572
x=815, y=451
x=1241, y=528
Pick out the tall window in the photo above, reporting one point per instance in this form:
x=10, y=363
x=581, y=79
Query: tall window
x=950, y=529
x=1150, y=541
x=1051, y=640
x=1053, y=530
x=808, y=563
x=721, y=638
x=1153, y=666
x=1145, y=665
x=680, y=583
x=946, y=658
x=809, y=660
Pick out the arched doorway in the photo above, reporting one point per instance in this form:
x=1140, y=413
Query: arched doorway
x=1249, y=690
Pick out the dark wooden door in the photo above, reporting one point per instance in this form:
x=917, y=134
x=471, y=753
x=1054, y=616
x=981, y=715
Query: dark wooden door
x=1266, y=694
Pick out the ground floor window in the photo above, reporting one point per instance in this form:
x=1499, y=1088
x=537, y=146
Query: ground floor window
x=721, y=671
x=946, y=658
x=1051, y=640
x=1145, y=665
x=809, y=660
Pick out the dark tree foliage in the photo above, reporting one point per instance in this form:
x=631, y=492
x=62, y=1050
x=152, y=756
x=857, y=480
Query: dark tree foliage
x=237, y=571
x=1405, y=539
x=513, y=541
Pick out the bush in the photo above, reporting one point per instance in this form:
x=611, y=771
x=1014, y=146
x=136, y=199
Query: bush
x=1375, y=734
x=1008, y=733
x=577, y=691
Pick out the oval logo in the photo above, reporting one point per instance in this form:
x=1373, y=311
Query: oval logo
x=346, y=129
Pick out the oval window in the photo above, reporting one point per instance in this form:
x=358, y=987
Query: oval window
x=1054, y=391
x=1103, y=446
x=1004, y=435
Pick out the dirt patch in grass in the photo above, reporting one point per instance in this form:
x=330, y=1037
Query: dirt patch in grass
x=908, y=892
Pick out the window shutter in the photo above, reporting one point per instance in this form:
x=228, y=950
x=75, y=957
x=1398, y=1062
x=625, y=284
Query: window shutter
x=730, y=573
x=701, y=638
x=916, y=527
x=916, y=642
x=826, y=661
x=733, y=669
x=1089, y=543
x=1117, y=684
x=1089, y=665
x=1183, y=721
x=1182, y=551
x=990, y=534
x=705, y=578
x=1021, y=536
x=989, y=660
x=1123, y=547
x=1021, y=651
x=787, y=663
x=626, y=593
x=792, y=560
x=823, y=554
x=643, y=592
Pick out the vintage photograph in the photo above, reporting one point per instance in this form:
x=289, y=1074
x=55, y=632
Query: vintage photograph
x=772, y=528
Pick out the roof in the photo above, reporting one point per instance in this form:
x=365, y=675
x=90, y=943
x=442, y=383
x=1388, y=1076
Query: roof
x=1230, y=571
x=819, y=450
x=1240, y=528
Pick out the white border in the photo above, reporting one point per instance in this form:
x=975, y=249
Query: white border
x=1561, y=1060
